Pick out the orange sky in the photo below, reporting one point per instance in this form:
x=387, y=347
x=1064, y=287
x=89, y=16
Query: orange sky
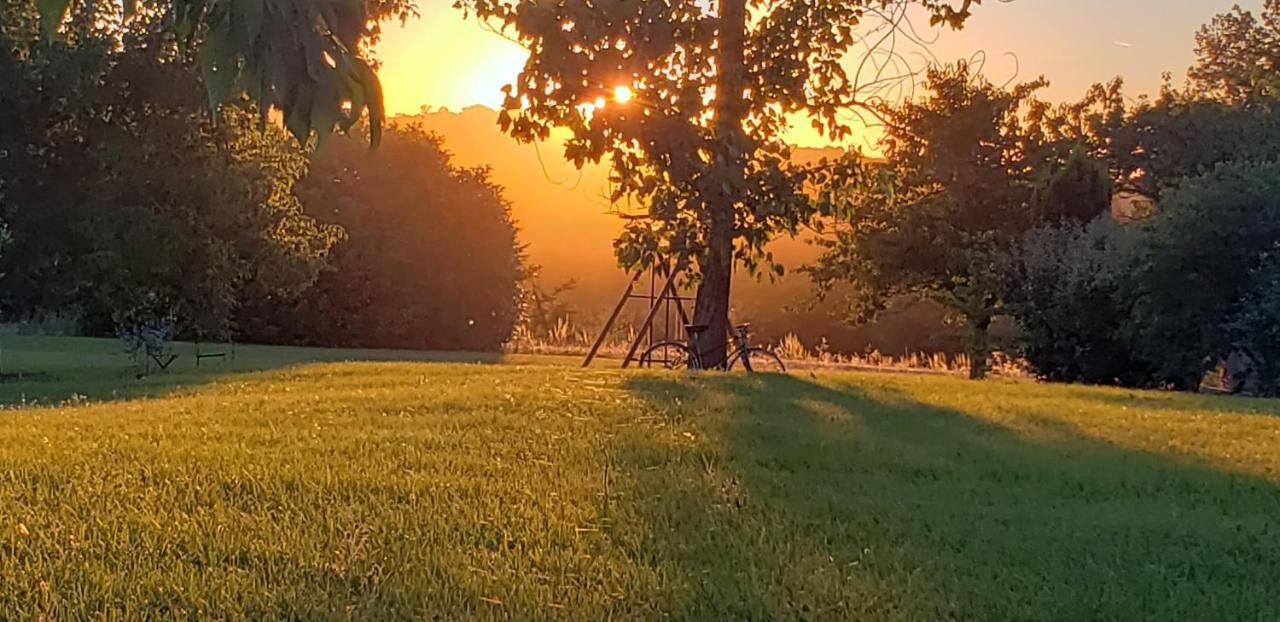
x=441, y=61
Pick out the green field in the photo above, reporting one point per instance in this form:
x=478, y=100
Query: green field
x=275, y=487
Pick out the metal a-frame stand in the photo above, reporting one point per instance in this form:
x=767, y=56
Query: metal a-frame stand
x=664, y=301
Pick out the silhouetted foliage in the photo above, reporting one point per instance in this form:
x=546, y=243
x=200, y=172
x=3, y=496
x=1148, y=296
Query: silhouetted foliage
x=1193, y=289
x=1182, y=134
x=700, y=144
x=125, y=199
x=1071, y=288
x=305, y=57
x=1201, y=252
x=1077, y=190
x=1153, y=144
x=430, y=260
x=1254, y=330
x=1159, y=302
x=939, y=218
x=1238, y=56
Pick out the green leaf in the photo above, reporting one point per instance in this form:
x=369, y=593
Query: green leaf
x=187, y=15
x=218, y=67
x=247, y=17
x=326, y=111
x=298, y=117
x=52, y=12
x=373, y=95
x=354, y=91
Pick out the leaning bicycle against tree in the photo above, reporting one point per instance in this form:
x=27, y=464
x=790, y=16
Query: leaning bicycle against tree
x=743, y=356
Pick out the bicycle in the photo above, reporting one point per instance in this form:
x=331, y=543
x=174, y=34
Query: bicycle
x=679, y=355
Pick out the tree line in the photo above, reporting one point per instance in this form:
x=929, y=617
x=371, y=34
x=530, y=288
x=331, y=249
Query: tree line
x=125, y=199
x=990, y=201
x=1134, y=244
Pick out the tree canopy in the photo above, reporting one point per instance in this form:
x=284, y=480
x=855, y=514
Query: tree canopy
x=429, y=259
x=936, y=219
x=1238, y=55
x=1182, y=287
x=689, y=102
x=128, y=199
x=132, y=204
x=1213, y=234
x=308, y=58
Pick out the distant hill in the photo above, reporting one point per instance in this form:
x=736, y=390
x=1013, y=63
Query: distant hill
x=567, y=225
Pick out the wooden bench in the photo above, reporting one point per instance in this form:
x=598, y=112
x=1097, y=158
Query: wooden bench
x=224, y=355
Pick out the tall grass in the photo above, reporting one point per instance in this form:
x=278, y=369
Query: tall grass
x=571, y=339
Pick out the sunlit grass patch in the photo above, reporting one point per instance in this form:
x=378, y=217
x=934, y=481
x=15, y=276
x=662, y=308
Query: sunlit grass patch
x=405, y=490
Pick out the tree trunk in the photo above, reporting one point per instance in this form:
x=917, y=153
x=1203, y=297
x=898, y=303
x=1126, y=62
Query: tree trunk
x=712, y=305
x=722, y=190
x=979, y=347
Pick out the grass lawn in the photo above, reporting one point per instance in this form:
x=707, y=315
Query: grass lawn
x=275, y=487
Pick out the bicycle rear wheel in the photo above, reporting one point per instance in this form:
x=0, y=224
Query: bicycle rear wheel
x=666, y=355
x=762, y=362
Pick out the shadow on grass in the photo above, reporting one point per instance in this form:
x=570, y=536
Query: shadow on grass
x=60, y=370
x=817, y=501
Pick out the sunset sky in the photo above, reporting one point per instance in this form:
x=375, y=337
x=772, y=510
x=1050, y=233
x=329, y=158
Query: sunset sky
x=454, y=66
x=441, y=60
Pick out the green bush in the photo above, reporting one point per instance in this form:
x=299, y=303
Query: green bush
x=122, y=195
x=1200, y=257
x=1255, y=330
x=1067, y=292
x=430, y=261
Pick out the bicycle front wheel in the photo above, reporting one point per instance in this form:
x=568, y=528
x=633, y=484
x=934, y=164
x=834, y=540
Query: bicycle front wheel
x=666, y=355
x=762, y=362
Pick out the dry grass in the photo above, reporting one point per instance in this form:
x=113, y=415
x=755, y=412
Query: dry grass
x=566, y=339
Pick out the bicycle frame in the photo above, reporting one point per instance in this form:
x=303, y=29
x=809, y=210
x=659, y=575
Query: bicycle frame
x=741, y=347
x=689, y=354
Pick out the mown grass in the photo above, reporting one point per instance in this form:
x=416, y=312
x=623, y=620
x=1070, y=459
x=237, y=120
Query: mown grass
x=409, y=490
x=39, y=370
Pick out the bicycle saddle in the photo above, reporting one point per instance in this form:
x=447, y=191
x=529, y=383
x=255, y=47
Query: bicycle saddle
x=696, y=328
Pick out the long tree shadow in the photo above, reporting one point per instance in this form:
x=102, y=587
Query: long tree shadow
x=813, y=501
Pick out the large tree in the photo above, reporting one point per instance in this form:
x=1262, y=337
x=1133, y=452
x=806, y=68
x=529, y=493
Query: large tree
x=690, y=102
x=939, y=218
